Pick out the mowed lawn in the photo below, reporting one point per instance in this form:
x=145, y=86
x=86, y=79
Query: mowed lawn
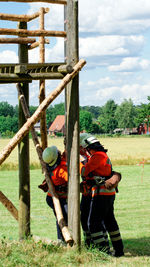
x=132, y=205
x=132, y=211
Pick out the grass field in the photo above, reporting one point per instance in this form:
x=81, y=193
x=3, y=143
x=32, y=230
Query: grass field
x=122, y=151
x=132, y=209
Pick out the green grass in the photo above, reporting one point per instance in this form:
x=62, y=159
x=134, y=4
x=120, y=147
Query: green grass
x=42, y=218
x=132, y=209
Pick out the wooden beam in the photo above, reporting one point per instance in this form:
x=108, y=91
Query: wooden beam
x=17, y=40
x=9, y=205
x=36, y=44
x=39, y=150
x=25, y=18
x=61, y=2
x=31, y=66
x=29, y=77
x=35, y=117
x=65, y=69
x=22, y=32
x=43, y=126
x=20, y=69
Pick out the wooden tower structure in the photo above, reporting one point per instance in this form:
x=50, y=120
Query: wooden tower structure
x=23, y=74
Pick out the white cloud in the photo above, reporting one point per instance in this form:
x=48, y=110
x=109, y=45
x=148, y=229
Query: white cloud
x=114, y=16
x=102, y=81
x=54, y=19
x=8, y=56
x=110, y=45
x=52, y=54
x=50, y=85
x=8, y=92
x=100, y=91
x=131, y=64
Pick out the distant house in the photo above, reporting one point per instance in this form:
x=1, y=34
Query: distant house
x=141, y=129
x=37, y=127
x=58, y=125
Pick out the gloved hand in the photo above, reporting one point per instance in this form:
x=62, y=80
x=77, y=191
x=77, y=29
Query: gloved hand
x=113, y=181
x=43, y=186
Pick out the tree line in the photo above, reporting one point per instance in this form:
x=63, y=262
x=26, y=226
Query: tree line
x=93, y=119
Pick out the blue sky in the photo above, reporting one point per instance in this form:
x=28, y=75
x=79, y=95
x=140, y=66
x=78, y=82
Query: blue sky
x=114, y=40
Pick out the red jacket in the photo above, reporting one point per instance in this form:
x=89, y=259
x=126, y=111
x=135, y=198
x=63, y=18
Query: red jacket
x=99, y=164
x=59, y=177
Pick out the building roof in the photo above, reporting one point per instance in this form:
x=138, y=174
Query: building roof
x=58, y=123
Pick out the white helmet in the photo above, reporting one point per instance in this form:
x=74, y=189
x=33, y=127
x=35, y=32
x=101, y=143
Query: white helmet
x=87, y=139
x=50, y=155
x=83, y=136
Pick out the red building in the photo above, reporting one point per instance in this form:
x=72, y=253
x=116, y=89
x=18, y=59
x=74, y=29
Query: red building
x=143, y=129
x=58, y=125
x=147, y=129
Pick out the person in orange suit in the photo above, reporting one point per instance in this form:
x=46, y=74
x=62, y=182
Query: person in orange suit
x=57, y=168
x=97, y=211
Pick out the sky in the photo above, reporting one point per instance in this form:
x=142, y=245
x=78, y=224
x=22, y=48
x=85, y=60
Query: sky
x=114, y=39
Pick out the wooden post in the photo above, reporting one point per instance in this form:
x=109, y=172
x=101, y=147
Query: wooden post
x=72, y=99
x=43, y=126
x=23, y=149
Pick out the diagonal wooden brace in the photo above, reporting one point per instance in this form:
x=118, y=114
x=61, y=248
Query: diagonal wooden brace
x=58, y=210
x=9, y=205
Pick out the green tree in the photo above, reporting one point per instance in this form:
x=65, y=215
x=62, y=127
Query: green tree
x=32, y=109
x=6, y=109
x=107, y=119
x=96, y=128
x=85, y=121
x=94, y=110
x=8, y=124
x=125, y=114
x=16, y=111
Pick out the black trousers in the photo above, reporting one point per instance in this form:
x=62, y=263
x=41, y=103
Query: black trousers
x=92, y=223
x=97, y=216
x=64, y=206
x=107, y=210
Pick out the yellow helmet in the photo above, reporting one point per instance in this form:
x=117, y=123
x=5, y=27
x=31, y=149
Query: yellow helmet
x=50, y=155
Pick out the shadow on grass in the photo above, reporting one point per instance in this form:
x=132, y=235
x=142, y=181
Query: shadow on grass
x=137, y=247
